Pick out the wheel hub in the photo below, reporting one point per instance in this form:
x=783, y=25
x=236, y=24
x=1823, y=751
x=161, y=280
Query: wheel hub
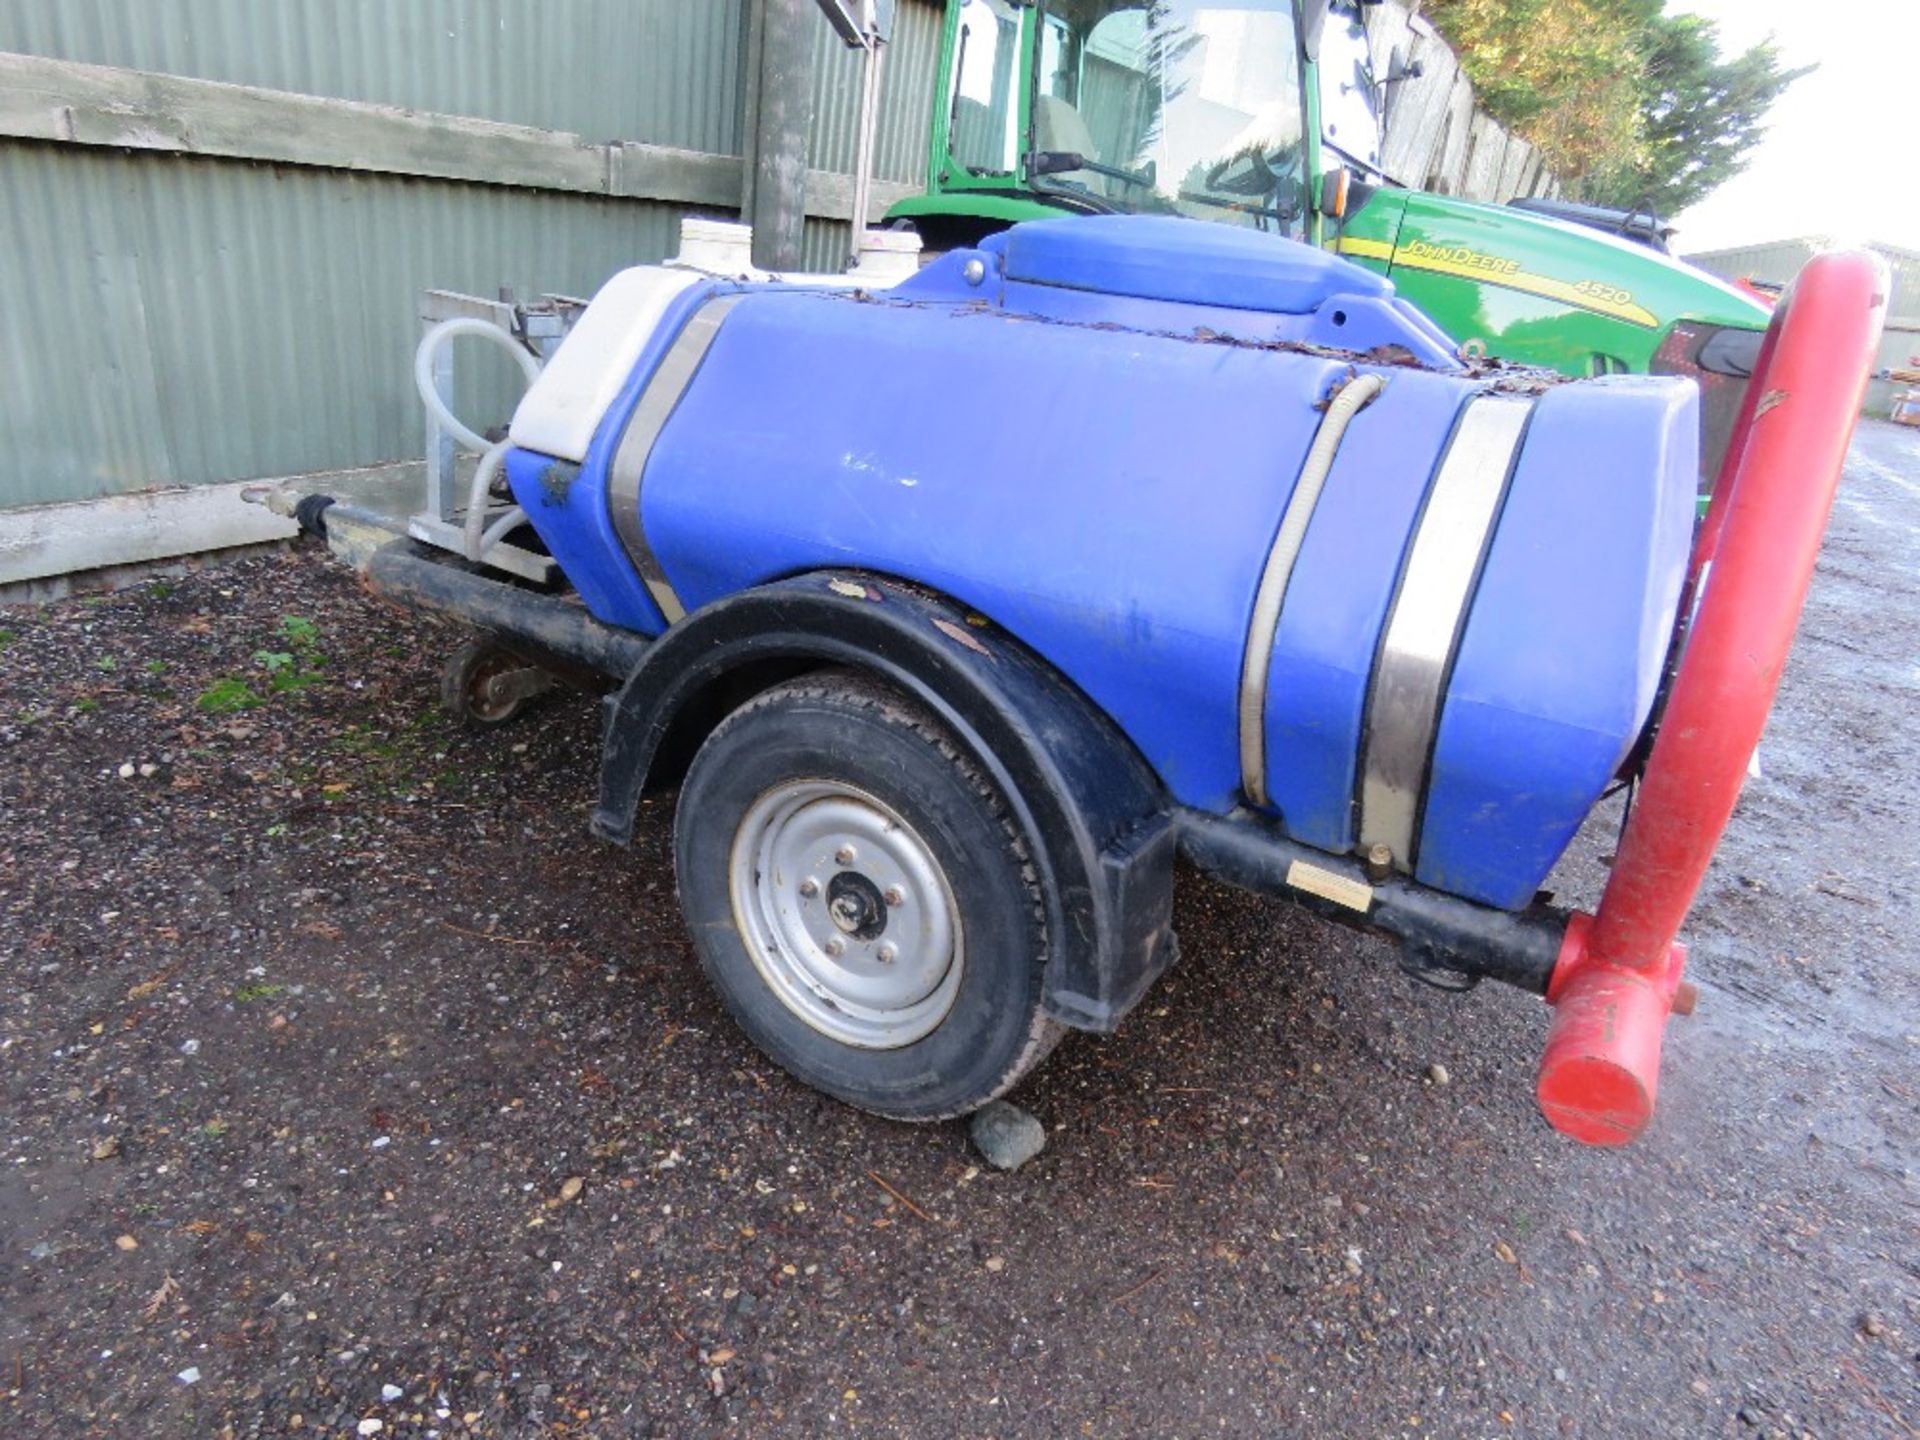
x=846, y=913
x=855, y=905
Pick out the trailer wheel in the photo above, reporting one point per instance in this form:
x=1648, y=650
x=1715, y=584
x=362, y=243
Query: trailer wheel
x=862, y=900
x=483, y=686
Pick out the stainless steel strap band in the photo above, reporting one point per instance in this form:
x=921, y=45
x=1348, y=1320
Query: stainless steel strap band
x=1429, y=611
x=1257, y=660
x=626, y=476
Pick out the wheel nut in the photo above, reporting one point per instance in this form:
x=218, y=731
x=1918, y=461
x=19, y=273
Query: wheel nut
x=885, y=953
x=895, y=895
x=835, y=945
x=809, y=887
x=846, y=855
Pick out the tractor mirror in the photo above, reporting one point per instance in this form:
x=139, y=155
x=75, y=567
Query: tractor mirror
x=1399, y=70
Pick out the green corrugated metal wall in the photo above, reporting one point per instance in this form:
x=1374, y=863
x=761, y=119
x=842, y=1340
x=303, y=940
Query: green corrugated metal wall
x=661, y=70
x=173, y=320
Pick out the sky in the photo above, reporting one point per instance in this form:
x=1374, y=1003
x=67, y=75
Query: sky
x=1839, y=157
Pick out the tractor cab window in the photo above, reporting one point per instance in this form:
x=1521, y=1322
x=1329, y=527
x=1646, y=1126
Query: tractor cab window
x=983, y=128
x=1349, y=98
x=1172, y=106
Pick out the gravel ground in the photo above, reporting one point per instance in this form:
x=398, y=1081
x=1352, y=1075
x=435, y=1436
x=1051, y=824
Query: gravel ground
x=350, y=1088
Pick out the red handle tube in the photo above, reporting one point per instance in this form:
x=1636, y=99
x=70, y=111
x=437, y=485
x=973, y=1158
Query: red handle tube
x=1613, y=986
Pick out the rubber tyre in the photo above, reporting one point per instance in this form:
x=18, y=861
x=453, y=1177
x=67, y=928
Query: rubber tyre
x=842, y=726
x=466, y=670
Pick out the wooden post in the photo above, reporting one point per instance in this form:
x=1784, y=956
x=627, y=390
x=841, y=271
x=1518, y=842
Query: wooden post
x=779, y=108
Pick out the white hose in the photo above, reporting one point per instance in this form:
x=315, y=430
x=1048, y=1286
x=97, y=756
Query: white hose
x=478, y=537
x=423, y=359
x=1265, y=624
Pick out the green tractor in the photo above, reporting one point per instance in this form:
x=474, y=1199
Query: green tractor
x=1269, y=114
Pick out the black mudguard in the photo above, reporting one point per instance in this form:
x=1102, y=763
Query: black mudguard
x=1093, y=812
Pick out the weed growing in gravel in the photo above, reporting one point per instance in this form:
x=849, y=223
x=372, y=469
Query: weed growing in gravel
x=228, y=696
x=366, y=742
x=7, y=637
x=250, y=992
x=156, y=667
x=302, y=634
x=297, y=666
x=394, y=759
x=293, y=668
x=106, y=664
x=283, y=671
x=86, y=705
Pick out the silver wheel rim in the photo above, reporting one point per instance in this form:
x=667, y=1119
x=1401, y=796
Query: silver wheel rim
x=846, y=914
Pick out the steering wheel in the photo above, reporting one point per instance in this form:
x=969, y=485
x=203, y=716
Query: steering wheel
x=1244, y=174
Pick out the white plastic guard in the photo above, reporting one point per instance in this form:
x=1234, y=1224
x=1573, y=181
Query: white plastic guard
x=562, y=409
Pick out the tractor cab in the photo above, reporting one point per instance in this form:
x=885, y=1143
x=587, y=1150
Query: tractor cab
x=1172, y=110
x=1225, y=110
x=1102, y=106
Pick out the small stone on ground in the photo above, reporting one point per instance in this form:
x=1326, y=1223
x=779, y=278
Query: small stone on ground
x=1007, y=1135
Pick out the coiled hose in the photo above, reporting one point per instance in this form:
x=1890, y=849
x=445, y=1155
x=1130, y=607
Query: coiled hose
x=478, y=537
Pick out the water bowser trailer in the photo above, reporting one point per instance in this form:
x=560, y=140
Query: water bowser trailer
x=1269, y=115
x=956, y=611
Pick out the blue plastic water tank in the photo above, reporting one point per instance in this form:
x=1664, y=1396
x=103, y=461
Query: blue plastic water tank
x=1089, y=431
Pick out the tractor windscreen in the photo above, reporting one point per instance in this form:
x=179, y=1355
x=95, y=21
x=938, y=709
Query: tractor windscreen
x=1173, y=107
